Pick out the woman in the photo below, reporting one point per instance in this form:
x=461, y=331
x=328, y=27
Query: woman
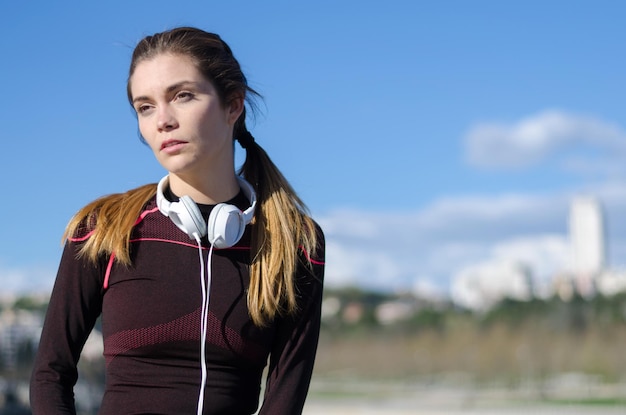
x=202, y=279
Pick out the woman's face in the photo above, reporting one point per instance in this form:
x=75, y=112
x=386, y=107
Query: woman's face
x=181, y=117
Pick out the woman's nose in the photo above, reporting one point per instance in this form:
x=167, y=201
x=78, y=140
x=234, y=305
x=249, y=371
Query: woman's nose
x=166, y=120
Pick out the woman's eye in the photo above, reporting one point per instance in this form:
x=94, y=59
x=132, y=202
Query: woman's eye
x=142, y=109
x=184, y=96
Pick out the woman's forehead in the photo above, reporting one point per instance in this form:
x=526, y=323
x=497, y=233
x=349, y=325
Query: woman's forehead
x=163, y=70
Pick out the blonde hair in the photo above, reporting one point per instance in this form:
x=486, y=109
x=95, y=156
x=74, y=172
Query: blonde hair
x=282, y=229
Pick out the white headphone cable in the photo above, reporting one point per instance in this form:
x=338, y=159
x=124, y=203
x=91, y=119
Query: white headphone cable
x=204, y=319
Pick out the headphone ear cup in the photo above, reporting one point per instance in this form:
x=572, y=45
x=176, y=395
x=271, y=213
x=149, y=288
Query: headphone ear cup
x=225, y=226
x=186, y=215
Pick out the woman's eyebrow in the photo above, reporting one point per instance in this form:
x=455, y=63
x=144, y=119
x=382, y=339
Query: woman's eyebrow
x=169, y=89
x=179, y=85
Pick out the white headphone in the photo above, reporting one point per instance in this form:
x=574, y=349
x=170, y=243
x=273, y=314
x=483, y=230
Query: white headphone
x=226, y=222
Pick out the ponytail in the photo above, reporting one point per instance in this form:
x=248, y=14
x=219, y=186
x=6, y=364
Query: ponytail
x=281, y=228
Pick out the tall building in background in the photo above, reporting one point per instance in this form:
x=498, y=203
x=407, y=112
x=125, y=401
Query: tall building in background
x=586, y=231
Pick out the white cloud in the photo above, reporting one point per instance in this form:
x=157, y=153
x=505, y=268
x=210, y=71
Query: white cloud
x=519, y=144
x=443, y=237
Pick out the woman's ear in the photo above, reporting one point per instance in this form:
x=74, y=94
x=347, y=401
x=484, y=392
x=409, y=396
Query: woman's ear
x=235, y=108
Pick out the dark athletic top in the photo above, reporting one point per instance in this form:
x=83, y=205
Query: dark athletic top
x=151, y=328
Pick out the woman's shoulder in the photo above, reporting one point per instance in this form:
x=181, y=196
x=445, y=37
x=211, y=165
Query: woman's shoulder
x=319, y=242
x=312, y=251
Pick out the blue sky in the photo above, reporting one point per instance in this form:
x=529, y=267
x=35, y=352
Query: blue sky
x=426, y=137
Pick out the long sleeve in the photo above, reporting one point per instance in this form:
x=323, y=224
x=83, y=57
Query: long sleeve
x=293, y=353
x=75, y=304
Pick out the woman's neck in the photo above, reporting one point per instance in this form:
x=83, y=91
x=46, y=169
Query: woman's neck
x=209, y=189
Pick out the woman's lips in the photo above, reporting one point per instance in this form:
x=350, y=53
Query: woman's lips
x=172, y=146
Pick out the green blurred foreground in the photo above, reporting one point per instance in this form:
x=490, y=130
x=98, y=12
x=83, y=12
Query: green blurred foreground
x=514, y=342
x=553, y=352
